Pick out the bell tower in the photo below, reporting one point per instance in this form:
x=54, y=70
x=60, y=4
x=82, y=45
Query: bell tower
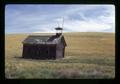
x=58, y=31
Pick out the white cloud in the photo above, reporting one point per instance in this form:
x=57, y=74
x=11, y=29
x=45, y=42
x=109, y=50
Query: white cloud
x=77, y=18
x=85, y=26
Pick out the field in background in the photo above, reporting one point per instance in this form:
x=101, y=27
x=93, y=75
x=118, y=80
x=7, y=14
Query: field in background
x=87, y=55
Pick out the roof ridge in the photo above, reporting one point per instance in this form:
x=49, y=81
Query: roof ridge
x=36, y=39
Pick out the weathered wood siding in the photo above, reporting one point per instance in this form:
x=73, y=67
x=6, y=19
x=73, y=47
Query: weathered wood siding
x=39, y=51
x=59, y=50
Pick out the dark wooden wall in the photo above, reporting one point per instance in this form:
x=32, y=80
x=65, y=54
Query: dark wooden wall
x=39, y=51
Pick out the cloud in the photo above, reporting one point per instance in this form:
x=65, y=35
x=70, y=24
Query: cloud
x=44, y=18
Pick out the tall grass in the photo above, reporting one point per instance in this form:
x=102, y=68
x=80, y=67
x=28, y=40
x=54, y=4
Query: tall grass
x=87, y=55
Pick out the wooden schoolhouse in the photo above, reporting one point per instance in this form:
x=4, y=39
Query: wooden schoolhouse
x=45, y=47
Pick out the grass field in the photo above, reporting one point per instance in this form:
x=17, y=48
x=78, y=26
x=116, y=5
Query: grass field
x=87, y=56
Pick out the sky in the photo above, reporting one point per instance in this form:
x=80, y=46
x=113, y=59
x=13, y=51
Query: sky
x=32, y=18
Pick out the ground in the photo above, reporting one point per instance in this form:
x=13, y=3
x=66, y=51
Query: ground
x=87, y=56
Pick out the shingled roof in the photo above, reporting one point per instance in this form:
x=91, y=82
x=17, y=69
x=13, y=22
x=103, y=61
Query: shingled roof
x=48, y=39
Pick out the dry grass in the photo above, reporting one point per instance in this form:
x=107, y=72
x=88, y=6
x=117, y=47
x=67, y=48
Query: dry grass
x=88, y=55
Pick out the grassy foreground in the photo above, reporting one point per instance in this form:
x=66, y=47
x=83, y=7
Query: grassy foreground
x=87, y=56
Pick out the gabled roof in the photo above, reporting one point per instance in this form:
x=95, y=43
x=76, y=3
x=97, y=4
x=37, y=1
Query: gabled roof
x=48, y=39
